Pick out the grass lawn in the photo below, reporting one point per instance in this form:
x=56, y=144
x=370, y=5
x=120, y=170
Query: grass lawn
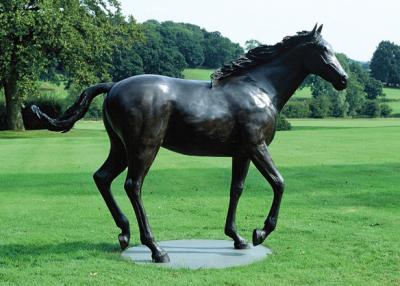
x=51, y=89
x=392, y=93
x=304, y=93
x=392, y=98
x=198, y=74
x=339, y=220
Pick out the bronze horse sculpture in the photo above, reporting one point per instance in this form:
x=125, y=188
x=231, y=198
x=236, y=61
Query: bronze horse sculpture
x=234, y=115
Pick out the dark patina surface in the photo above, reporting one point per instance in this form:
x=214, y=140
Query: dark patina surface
x=233, y=115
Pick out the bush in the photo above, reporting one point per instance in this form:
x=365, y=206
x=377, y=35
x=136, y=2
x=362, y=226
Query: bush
x=50, y=105
x=297, y=109
x=282, y=123
x=371, y=108
x=320, y=106
x=385, y=110
x=339, y=107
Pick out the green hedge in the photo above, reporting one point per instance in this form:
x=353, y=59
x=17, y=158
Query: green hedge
x=51, y=106
x=297, y=109
x=282, y=123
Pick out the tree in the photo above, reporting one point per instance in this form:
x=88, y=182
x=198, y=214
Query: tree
x=251, y=44
x=125, y=63
x=320, y=106
x=71, y=36
x=334, y=102
x=219, y=50
x=355, y=96
x=187, y=38
x=339, y=106
x=159, y=54
x=297, y=109
x=373, y=88
x=352, y=101
x=125, y=60
x=385, y=63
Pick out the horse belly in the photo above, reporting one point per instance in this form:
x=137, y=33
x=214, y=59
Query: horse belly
x=213, y=137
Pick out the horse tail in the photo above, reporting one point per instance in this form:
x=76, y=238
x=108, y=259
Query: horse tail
x=66, y=121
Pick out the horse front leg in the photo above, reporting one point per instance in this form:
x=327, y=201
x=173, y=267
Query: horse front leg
x=240, y=167
x=263, y=161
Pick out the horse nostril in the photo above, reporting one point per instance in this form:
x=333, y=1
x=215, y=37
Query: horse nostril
x=345, y=77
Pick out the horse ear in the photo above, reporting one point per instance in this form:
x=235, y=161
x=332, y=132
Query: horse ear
x=320, y=29
x=314, y=29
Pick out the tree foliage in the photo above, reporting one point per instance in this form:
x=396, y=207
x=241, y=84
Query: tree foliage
x=75, y=37
x=168, y=48
x=320, y=106
x=219, y=50
x=125, y=61
x=297, y=109
x=251, y=44
x=187, y=38
x=361, y=96
x=385, y=63
x=159, y=54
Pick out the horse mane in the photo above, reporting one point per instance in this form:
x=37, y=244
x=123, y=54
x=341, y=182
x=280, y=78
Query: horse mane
x=263, y=54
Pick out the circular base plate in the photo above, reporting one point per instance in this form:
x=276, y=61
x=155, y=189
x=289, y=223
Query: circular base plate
x=195, y=254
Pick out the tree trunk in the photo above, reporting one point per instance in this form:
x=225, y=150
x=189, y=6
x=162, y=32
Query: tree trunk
x=13, y=106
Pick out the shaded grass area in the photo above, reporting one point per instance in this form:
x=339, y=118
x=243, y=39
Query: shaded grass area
x=338, y=222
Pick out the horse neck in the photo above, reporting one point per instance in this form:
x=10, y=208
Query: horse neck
x=280, y=78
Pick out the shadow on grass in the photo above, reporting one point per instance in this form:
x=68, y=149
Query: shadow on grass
x=319, y=128
x=40, y=134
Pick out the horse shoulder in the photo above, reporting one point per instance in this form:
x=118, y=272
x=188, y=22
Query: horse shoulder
x=258, y=122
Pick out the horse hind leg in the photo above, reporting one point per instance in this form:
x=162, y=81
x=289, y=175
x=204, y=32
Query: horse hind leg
x=139, y=163
x=111, y=168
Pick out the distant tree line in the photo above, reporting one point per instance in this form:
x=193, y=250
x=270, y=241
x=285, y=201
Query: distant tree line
x=168, y=48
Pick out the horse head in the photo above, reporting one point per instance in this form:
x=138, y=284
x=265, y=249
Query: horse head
x=320, y=59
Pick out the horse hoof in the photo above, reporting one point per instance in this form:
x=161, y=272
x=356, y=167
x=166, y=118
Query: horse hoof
x=242, y=245
x=259, y=236
x=123, y=241
x=161, y=258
